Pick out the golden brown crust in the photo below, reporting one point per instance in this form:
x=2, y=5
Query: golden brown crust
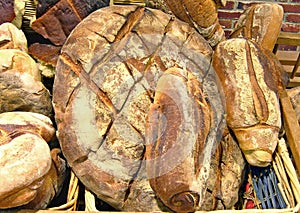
x=260, y=23
x=25, y=160
x=179, y=122
x=250, y=85
x=203, y=15
x=107, y=73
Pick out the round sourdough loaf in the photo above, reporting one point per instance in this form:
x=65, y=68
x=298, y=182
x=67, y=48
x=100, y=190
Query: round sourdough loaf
x=106, y=82
x=24, y=156
x=30, y=174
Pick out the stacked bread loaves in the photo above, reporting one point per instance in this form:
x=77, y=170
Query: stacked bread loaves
x=30, y=173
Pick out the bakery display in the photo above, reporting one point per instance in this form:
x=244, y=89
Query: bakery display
x=143, y=106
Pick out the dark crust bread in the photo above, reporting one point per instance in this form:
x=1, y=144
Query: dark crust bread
x=46, y=53
x=7, y=13
x=57, y=22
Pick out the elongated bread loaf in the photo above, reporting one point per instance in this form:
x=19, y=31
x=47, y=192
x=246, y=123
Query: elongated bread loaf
x=178, y=124
x=203, y=15
x=250, y=84
x=260, y=23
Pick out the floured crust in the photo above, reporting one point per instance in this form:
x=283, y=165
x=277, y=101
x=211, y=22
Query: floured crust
x=260, y=23
x=250, y=85
x=108, y=72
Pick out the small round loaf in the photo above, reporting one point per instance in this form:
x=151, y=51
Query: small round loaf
x=14, y=59
x=24, y=161
x=35, y=123
x=30, y=174
x=12, y=38
x=21, y=92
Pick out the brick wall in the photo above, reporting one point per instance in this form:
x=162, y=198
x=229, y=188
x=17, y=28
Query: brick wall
x=229, y=14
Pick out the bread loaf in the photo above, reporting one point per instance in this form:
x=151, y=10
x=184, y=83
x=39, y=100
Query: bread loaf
x=203, y=15
x=250, y=84
x=31, y=174
x=25, y=122
x=178, y=147
x=7, y=13
x=25, y=156
x=21, y=92
x=260, y=23
x=105, y=82
x=12, y=38
x=52, y=183
x=57, y=22
x=25, y=160
x=294, y=94
x=13, y=59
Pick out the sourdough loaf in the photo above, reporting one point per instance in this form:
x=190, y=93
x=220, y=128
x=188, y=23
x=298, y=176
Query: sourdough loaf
x=12, y=38
x=7, y=13
x=21, y=88
x=203, y=15
x=106, y=80
x=21, y=92
x=14, y=59
x=25, y=157
x=178, y=125
x=227, y=173
x=260, y=23
x=250, y=84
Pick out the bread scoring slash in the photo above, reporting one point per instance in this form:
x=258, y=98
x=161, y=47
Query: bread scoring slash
x=250, y=84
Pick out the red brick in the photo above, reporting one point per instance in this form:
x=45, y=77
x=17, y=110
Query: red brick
x=229, y=14
x=245, y=5
x=226, y=23
x=290, y=28
x=229, y=5
x=293, y=18
x=291, y=8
